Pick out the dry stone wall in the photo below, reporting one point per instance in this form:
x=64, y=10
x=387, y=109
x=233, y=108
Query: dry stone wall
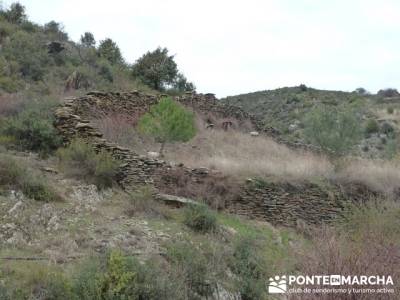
x=72, y=121
x=277, y=203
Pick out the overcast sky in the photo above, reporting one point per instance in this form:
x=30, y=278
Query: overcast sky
x=229, y=47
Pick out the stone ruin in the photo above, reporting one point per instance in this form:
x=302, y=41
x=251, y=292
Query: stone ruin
x=278, y=203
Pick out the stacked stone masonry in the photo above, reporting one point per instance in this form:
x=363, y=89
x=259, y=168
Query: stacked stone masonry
x=284, y=204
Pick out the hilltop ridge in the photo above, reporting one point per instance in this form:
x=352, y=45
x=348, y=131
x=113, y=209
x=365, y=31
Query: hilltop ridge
x=285, y=109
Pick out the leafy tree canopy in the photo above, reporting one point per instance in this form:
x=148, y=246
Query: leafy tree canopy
x=168, y=121
x=333, y=130
x=88, y=40
x=55, y=31
x=109, y=50
x=15, y=14
x=159, y=70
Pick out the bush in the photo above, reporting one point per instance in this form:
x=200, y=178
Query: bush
x=9, y=85
x=38, y=282
x=14, y=175
x=32, y=130
x=4, y=293
x=333, y=130
x=391, y=149
x=84, y=285
x=118, y=278
x=372, y=126
x=142, y=201
x=248, y=264
x=389, y=92
x=387, y=128
x=10, y=172
x=361, y=91
x=123, y=277
x=303, y=87
x=168, y=121
x=365, y=241
x=27, y=51
x=193, y=268
x=37, y=188
x=81, y=161
x=105, y=71
x=200, y=218
x=55, y=287
x=390, y=110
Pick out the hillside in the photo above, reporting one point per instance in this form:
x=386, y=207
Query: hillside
x=286, y=109
x=121, y=182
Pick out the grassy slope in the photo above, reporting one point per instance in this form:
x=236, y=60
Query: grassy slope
x=285, y=109
x=283, y=106
x=70, y=232
x=67, y=233
x=29, y=69
x=143, y=228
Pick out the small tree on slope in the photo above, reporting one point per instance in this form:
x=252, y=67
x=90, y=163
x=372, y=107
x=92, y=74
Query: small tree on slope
x=333, y=130
x=168, y=121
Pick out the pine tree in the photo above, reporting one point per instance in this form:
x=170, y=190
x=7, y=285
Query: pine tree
x=168, y=121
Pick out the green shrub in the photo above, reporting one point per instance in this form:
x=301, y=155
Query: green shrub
x=119, y=277
x=391, y=149
x=4, y=293
x=303, y=87
x=55, y=287
x=32, y=130
x=372, y=126
x=10, y=172
x=168, y=121
x=105, y=71
x=200, y=218
x=390, y=110
x=142, y=201
x=105, y=169
x=389, y=92
x=333, y=130
x=35, y=281
x=81, y=161
x=249, y=265
x=123, y=277
x=376, y=219
x=27, y=50
x=193, y=268
x=8, y=84
x=84, y=283
x=387, y=128
x=35, y=187
x=14, y=175
x=361, y=91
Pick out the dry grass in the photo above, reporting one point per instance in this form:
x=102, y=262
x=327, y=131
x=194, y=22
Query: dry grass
x=366, y=243
x=380, y=175
x=120, y=128
x=234, y=153
x=215, y=190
